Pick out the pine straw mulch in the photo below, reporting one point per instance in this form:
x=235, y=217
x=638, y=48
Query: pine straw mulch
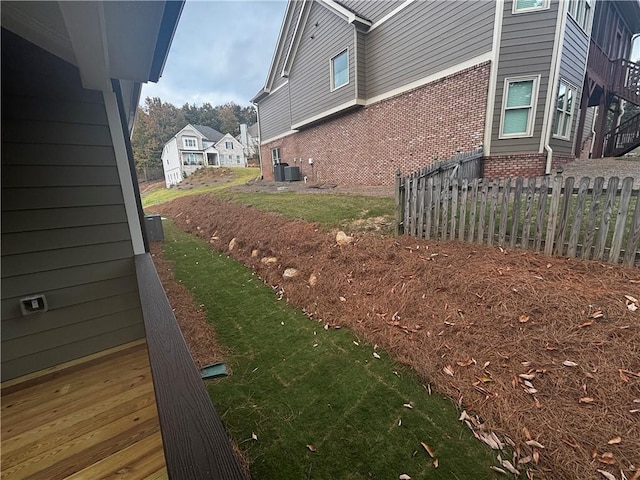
x=470, y=320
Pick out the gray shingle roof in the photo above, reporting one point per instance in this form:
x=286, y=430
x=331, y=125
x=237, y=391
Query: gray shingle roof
x=253, y=130
x=209, y=133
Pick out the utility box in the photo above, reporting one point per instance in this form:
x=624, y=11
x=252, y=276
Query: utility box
x=278, y=171
x=153, y=226
x=292, y=174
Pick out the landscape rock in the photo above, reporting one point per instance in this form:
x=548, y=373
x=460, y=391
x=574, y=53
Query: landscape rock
x=343, y=239
x=269, y=260
x=290, y=273
x=313, y=279
x=254, y=253
x=232, y=244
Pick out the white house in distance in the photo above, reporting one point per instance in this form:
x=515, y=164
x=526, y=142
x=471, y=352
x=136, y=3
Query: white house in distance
x=197, y=146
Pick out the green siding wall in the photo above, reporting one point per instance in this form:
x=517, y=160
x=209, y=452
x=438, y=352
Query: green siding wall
x=64, y=225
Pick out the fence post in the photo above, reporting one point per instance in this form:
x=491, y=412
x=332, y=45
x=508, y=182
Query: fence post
x=399, y=204
x=553, y=215
x=634, y=236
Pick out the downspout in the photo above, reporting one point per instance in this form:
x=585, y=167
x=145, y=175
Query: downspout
x=259, y=141
x=555, y=75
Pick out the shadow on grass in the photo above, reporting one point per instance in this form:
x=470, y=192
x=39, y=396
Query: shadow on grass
x=295, y=384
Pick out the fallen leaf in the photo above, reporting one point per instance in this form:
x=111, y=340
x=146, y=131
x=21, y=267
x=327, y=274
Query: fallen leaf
x=448, y=370
x=312, y=448
x=498, y=469
x=527, y=376
x=632, y=307
x=534, y=443
x=588, y=323
x=404, y=476
x=523, y=319
x=606, y=475
x=356, y=343
x=607, y=458
x=407, y=405
x=435, y=463
x=586, y=400
x=342, y=299
x=507, y=464
x=376, y=355
x=536, y=456
x=254, y=436
x=569, y=363
x=466, y=364
x=614, y=441
x=526, y=432
x=631, y=299
x=428, y=449
x=524, y=460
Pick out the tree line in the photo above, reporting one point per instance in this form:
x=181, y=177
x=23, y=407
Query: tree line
x=158, y=121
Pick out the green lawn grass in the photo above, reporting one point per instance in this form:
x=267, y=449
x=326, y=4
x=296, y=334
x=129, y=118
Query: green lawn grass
x=330, y=210
x=162, y=195
x=295, y=384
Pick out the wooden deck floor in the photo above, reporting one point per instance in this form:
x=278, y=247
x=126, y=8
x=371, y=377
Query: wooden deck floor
x=94, y=419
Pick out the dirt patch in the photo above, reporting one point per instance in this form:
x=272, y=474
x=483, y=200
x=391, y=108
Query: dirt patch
x=476, y=323
x=265, y=186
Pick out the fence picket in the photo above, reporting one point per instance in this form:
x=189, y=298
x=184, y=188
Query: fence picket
x=563, y=218
x=421, y=191
x=556, y=190
x=633, y=241
x=605, y=218
x=407, y=209
x=623, y=208
x=528, y=208
x=516, y=212
x=437, y=193
x=504, y=211
x=454, y=208
x=472, y=214
x=445, y=208
x=542, y=210
x=495, y=189
x=590, y=229
x=463, y=209
x=400, y=204
x=428, y=208
x=574, y=236
x=483, y=210
x=414, y=203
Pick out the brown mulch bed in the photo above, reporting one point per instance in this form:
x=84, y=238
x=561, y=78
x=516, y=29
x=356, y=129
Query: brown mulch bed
x=469, y=320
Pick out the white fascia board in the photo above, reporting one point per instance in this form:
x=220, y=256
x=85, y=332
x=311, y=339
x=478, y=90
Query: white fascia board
x=85, y=22
x=348, y=14
x=295, y=39
x=124, y=172
x=326, y=113
x=279, y=46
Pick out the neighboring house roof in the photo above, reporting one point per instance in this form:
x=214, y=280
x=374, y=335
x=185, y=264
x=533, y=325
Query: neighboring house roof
x=209, y=133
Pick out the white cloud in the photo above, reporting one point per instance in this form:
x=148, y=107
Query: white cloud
x=221, y=52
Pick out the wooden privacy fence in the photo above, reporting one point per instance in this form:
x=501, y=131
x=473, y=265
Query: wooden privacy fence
x=551, y=215
x=462, y=165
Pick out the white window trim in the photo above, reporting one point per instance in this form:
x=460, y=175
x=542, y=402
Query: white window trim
x=333, y=88
x=546, y=4
x=184, y=142
x=273, y=157
x=570, y=86
x=532, y=111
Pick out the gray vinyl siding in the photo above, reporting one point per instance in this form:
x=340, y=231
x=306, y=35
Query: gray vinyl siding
x=572, y=66
x=296, y=8
x=425, y=38
x=361, y=59
x=310, y=78
x=275, y=114
x=526, y=48
x=64, y=225
x=371, y=10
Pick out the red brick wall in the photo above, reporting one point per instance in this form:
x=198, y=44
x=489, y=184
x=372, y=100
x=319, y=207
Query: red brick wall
x=368, y=145
x=521, y=165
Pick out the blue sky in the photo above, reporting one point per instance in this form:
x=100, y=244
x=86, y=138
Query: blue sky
x=220, y=53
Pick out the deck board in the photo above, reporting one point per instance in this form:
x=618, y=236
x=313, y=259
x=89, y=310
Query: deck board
x=95, y=419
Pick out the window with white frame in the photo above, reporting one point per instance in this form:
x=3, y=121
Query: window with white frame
x=275, y=155
x=564, y=111
x=189, y=142
x=518, y=110
x=228, y=145
x=520, y=6
x=581, y=11
x=191, y=159
x=238, y=159
x=340, y=70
